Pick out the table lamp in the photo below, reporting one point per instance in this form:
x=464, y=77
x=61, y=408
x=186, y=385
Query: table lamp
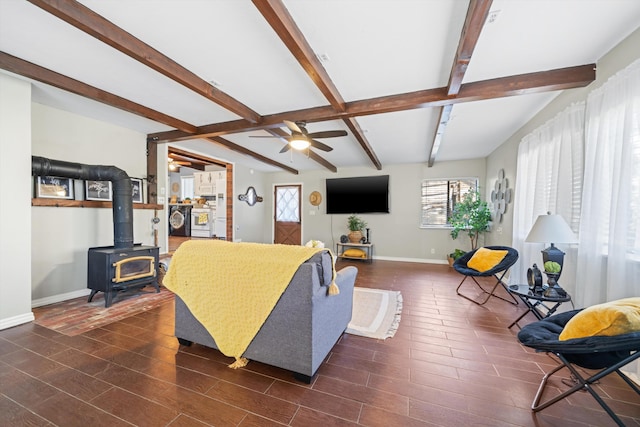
x=551, y=228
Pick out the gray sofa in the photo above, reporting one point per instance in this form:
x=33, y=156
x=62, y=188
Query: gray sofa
x=303, y=327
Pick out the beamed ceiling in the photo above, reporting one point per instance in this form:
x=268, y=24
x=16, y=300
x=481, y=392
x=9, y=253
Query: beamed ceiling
x=408, y=80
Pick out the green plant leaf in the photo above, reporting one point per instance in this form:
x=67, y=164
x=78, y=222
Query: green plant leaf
x=472, y=216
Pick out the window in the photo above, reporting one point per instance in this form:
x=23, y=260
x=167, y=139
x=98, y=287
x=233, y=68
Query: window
x=439, y=197
x=288, y=204
x=187, y=187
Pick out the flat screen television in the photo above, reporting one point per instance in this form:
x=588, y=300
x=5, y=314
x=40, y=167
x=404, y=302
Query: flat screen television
x=365, y=194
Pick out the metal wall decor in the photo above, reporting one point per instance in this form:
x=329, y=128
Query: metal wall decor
x=501, y=196
x=251, y=197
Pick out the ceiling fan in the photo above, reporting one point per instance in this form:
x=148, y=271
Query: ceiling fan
x=175, y=163
x=301, y=139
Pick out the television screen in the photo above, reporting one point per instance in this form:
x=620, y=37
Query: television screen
x=367, y=194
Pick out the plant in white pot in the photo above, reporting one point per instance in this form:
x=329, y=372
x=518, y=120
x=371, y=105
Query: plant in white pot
x=472, y=216
x=356, y=225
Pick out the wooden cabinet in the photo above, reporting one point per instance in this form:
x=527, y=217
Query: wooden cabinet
x=207, y=183
x=204, y=184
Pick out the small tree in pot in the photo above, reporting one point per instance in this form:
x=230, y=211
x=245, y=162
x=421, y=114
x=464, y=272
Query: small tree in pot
x=471, y=215
x=356, y=225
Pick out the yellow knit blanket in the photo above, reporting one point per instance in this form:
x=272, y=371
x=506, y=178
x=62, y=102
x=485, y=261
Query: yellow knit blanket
x=231, y=288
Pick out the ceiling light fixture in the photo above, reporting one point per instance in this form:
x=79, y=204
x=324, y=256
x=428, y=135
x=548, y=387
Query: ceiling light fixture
x=299, y=143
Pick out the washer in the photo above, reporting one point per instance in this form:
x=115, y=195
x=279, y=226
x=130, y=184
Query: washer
x=180, y=220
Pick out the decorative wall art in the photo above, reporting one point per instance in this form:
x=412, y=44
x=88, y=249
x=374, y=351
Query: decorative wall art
x=251, y=197
x=52, y=187
x=136, y=190
x=501, y=196
x=315, y=198
x=98, y=190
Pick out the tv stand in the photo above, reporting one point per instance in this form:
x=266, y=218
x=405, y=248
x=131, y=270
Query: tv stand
x=366, y=247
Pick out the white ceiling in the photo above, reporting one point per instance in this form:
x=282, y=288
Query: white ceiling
x=375, y=48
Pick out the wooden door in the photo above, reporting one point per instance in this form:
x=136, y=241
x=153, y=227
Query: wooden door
x=287, y=218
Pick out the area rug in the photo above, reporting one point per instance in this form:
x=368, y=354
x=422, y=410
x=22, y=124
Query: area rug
x=76, y=316
x=376, y=313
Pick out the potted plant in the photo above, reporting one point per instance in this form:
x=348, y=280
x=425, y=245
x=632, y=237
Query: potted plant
x=356, y=225
x=471, y=215
x=454, y=256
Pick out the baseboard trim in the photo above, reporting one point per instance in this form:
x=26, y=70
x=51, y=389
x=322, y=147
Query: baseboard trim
x=10, y=322
x=60, y=297
x=418, y=260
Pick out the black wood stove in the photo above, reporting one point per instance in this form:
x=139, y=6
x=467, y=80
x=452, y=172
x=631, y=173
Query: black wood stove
x=112, y=270
x=124, y=265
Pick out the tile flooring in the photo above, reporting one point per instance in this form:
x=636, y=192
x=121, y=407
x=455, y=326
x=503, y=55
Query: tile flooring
x=452, y=363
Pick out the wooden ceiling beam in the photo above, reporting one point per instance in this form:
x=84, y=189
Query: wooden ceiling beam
x=193, y=164
x=283, y=24
x=443, y=121
x=539, y=82
x=84, y=19
x=359, y=134
x=240, y=149
x=44, y=75
x=474, y=22
x=194, y=156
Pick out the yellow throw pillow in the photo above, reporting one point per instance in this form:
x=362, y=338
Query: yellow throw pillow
x=485, y=259
x=355, y=253
x=610, y=318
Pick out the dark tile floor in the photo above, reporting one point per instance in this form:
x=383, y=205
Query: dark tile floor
x=452, y=363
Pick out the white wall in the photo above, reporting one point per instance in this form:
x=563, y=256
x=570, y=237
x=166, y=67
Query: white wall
x=15, y=202
x=396, y=235
x=249, y=221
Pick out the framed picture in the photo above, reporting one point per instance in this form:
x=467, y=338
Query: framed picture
x=52, y=187
x=136, y=190
x=98, y=190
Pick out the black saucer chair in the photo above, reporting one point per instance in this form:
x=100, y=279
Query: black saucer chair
x=498, y=272
x=606, y=354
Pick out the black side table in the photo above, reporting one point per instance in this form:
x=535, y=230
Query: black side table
x=535, y=302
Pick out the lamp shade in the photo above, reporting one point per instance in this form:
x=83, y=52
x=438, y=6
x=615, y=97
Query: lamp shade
x=551, y=228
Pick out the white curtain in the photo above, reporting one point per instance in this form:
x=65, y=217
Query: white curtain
x=609, y=250
x=549, y=179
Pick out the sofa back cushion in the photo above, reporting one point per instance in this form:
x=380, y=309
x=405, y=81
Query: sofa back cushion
x=324, y=266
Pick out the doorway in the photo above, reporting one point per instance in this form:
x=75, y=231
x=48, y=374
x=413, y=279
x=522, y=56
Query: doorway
x=287, y=216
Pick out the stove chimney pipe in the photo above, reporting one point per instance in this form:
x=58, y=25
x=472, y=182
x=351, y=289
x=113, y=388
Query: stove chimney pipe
x=122, y=200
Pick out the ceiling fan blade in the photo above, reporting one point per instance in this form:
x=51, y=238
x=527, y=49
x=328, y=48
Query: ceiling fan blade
x=286, y=148
x=327, y=134
x=292, y=126
x=319, y=145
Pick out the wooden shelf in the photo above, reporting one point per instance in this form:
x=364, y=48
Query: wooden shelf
x=366, y=247
x=63, y=203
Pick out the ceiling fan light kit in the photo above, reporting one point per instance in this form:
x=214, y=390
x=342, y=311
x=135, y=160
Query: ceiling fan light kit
x=300, y=139
x=299, y=143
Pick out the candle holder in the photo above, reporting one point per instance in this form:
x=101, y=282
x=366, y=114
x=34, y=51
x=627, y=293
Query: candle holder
x=554, y=290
